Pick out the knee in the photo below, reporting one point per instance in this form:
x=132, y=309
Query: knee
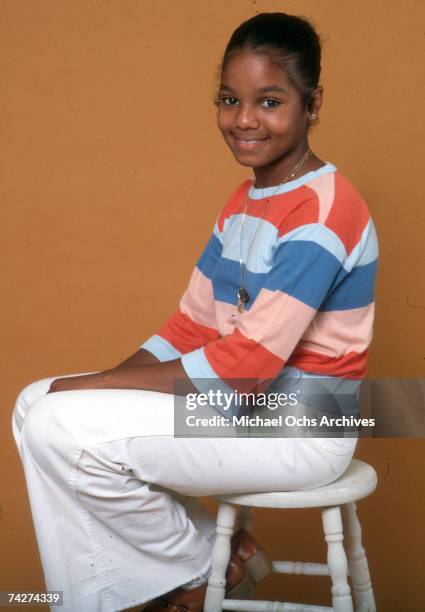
x=44, y=435
x=25, y=399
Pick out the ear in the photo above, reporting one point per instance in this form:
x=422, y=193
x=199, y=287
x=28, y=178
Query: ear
x=315, y=104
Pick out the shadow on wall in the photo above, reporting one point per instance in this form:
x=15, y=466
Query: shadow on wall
x=397, y=406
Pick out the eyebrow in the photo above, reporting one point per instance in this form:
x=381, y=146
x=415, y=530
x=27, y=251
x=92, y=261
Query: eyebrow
x=259, y=90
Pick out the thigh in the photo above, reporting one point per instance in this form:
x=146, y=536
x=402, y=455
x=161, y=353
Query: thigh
x=210, y=466
x=133, y=430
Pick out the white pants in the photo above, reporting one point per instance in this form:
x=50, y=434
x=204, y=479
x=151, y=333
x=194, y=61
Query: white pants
x=112, y=491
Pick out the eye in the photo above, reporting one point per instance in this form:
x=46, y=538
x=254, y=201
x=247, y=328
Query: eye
x=274, y=104
x=227, y=100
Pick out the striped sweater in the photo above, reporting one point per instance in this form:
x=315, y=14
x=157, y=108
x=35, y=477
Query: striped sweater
x=310, y=259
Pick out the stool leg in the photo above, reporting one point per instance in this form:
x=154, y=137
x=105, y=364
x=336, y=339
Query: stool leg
x=337, y=561
x=220, y=558
x=357, y=561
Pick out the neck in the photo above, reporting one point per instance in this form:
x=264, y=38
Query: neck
x=273, y=174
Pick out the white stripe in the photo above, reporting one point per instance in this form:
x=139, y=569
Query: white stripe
x=204, y=378
x=366, y=250
x=197, y=365
x=256, y=193
x=258, y=239
x=161, y=348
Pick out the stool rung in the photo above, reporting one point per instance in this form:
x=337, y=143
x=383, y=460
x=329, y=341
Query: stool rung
x=298, y=567
x=250, y=605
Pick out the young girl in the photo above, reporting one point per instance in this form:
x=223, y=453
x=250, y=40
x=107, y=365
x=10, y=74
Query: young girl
x=285, y=286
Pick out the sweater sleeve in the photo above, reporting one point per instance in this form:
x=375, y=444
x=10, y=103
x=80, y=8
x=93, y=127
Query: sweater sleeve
x=308, y=263
x=193, y=325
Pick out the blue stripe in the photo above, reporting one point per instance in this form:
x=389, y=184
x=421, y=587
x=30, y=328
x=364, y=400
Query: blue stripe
x=217, y=232
x=226, y=287
x=210, y=256
x=319, y=234
x=353, y=291
x=303, y=270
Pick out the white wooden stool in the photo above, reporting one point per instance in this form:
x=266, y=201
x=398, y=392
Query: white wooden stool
x=357, y=482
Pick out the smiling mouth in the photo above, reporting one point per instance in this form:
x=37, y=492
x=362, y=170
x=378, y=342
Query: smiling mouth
x=249, y=144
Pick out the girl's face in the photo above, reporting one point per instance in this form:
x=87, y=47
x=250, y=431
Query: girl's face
x=261, y=117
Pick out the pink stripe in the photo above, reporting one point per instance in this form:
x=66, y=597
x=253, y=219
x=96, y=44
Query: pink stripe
x=277, y=321
x=340, y=332
x=227, y=317
x=324, y=186
x=198, y=300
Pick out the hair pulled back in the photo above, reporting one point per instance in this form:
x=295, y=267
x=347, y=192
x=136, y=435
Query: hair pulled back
x=287, y=40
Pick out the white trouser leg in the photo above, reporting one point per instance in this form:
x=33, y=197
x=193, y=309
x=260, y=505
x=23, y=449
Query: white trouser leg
x=106, y=480
x=71, y=539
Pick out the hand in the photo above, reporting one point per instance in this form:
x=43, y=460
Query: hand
x=72, y=383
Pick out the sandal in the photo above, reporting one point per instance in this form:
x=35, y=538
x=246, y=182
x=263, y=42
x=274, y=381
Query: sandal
x=239, y=584
x=255, y=559
x=249, y=565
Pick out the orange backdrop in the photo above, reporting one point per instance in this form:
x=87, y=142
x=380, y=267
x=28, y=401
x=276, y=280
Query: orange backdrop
x=113, y=172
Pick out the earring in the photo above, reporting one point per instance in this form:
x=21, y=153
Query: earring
x=313, y=117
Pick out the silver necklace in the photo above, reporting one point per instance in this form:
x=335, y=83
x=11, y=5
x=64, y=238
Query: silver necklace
x=243, y=295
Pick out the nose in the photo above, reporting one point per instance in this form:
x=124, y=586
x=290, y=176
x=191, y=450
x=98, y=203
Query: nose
x=246, y=117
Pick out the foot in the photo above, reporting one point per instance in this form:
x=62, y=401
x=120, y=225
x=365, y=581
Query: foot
x=256, y=561
x=244, y=545
x=192, y=600
x=248, y=565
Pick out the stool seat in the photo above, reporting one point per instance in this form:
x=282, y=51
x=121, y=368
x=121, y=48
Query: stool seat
x=358, y=481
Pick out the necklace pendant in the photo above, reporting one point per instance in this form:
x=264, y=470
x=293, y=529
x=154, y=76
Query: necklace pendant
x=243, y=298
